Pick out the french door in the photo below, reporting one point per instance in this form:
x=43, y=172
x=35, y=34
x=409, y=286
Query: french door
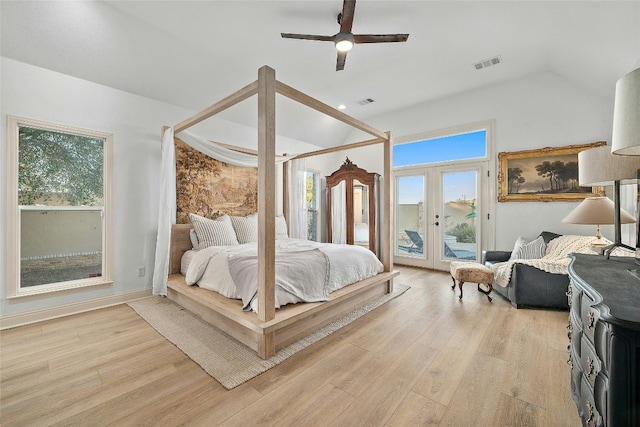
x=437, y=214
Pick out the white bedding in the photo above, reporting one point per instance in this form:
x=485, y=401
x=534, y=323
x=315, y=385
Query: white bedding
x=209, y=267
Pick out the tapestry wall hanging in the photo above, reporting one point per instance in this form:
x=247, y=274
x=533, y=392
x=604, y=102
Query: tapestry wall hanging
x=211, y=188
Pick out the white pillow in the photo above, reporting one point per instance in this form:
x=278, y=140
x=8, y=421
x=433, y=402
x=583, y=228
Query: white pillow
x=516, y=248
x=246, y=228
x=213, y=232
x=194, y=238
x=282, y=232
x=532, y=250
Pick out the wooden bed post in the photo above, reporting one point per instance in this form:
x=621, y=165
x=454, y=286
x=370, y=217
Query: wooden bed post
x=285, y=195
x=387, y=208
x=266, y=198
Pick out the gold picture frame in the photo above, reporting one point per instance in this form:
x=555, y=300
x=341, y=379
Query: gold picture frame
x=547, y=174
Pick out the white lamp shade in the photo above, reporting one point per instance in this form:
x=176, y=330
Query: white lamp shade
x=598, y=167
x=596, y=211
x=626, y=116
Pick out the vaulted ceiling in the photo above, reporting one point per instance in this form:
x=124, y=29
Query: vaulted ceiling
x=192, y=53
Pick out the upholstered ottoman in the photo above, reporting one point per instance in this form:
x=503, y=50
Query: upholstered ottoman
x=465, y=271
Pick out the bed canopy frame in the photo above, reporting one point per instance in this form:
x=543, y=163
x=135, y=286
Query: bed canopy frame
x=270, y=330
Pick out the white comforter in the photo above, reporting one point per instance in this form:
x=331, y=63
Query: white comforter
x=209, y=268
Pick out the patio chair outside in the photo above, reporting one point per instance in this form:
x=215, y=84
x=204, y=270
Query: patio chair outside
x=416, y=241
x=417, y=247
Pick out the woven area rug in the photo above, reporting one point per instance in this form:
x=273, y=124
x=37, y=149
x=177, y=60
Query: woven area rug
x=221, y=356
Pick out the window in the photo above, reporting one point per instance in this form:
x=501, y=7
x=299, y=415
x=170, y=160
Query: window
x=463, y=146
x=312, y=180
x=58, y=201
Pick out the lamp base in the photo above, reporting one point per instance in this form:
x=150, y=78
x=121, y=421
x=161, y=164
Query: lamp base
x=606, y=251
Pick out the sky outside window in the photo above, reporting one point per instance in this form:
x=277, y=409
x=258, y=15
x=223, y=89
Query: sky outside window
x=464, y=146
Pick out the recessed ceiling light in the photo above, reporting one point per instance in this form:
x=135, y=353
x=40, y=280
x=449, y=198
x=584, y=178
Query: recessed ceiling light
x=341, y=107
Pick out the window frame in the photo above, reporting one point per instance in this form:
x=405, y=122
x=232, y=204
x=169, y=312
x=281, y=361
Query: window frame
x=13, y=289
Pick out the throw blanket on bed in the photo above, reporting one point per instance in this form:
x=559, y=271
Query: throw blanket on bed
x=303, y=274
x=347, y=264
x=556, y=259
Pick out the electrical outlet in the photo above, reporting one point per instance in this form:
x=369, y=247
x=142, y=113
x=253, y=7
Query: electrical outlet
x=141, y=271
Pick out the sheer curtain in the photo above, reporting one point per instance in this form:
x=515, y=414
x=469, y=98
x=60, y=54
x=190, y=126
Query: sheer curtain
x=298, y=223
x=167, y=205
x=339, y=213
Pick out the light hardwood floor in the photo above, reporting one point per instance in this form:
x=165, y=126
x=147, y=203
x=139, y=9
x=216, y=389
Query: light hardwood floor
x=424, y=358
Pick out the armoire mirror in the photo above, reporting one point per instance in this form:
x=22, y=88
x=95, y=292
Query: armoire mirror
x=352, y=214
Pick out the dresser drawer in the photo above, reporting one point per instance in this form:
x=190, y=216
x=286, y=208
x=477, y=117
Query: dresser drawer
x=601, y=342
x=574, y=332
x=587, y=407
x=574, y=294
x=576, y=375
x=590, y=362
x=588, y=316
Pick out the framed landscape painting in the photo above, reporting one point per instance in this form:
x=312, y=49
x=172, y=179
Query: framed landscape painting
x=543, y=175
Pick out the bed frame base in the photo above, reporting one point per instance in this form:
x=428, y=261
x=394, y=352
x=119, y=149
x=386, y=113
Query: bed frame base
x=292, y=322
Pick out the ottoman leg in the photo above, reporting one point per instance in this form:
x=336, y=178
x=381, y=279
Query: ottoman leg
x=487, y=292
x=460, y=283
x=454, y=283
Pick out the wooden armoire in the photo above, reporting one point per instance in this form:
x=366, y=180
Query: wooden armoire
x=361, y=201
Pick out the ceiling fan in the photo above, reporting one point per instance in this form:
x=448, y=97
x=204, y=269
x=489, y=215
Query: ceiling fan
x=345, y=39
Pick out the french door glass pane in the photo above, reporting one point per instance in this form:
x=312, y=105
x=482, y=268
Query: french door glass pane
x=312, y=182
x=459, y=234
x=410, y=214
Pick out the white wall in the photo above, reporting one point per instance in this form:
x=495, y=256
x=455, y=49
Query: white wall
x=543, y=110
x=135, y=122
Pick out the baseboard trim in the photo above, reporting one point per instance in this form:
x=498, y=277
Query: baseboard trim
x=26, y=318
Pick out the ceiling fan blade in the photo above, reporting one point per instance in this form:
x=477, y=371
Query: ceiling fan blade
x=380, y=38
x=342, y=56
x=307, y=37
x=346, y=20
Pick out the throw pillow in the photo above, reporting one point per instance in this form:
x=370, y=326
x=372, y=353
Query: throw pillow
x=194, y=239
x=531, y=250
x=246, y=228
x=549, y=236
x=516, y=248
x=282, y=231
x=213, y=232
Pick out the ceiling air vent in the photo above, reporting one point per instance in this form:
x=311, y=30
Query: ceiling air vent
x=487, y=63
x=365, y=101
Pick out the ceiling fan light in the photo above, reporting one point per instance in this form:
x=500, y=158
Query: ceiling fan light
x=344, y=42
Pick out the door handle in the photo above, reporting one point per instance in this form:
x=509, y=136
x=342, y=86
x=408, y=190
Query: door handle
x=436, y=223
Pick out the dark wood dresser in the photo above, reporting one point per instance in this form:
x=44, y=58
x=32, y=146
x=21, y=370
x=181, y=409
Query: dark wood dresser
x=604, y=340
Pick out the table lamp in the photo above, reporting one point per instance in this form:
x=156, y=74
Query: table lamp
x=626, y=129
x=598, y=211
x=598, y=167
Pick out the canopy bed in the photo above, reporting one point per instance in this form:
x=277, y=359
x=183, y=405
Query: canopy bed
x=267, y=330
